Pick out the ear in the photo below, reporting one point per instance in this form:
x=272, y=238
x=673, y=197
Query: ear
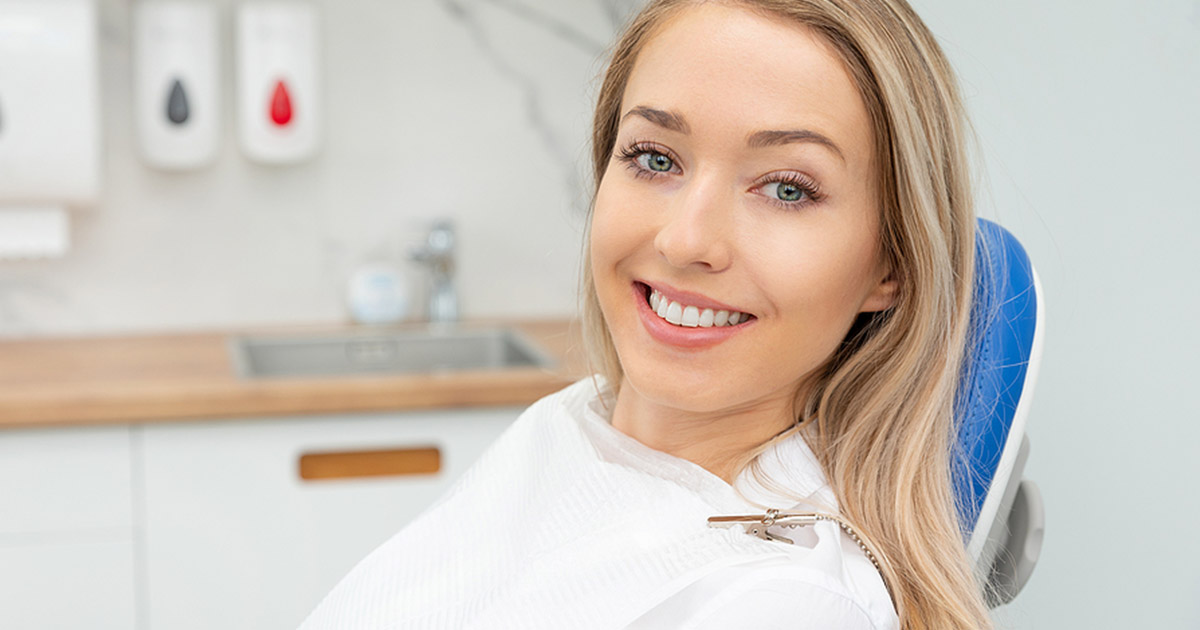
x=883, y=294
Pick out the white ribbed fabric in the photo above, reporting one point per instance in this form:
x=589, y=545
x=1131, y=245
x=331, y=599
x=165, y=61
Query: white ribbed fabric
x=567, y=523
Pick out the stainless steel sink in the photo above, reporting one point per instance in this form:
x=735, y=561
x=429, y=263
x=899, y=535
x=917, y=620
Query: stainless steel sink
x=432, y=350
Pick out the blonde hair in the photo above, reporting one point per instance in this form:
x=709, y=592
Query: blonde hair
x=879, y=414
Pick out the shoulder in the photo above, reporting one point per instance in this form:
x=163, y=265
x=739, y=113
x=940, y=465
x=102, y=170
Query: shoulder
x=779, y=596
x=525, y=441
x=572, y=399
x=823, y=579
x=769, y=591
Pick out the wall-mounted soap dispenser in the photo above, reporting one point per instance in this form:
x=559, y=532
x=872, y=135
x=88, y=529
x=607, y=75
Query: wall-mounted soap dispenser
x=177, y=83
x=49, y=122
x=278, y=81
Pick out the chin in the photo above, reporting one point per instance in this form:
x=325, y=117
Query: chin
x=701, y=389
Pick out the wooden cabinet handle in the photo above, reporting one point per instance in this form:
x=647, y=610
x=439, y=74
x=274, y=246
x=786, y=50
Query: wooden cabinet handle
x=381, y=463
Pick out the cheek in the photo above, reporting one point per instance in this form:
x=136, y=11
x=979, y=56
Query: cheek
x=818, y=277
x=602, y=235
x=615, y=231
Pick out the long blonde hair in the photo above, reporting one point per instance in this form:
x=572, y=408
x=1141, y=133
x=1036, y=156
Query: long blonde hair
x=879, y=415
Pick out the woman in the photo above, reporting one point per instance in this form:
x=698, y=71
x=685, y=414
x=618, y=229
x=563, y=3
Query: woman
x=777, y=285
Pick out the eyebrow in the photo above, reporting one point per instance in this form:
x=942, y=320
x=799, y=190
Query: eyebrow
x=775, y=138
x=674, y=121
x=668, y=120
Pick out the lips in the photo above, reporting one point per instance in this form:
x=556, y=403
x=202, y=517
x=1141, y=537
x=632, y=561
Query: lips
x=685, y=336
x=687, y=310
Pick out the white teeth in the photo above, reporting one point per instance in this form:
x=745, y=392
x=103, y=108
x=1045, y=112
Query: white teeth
x=692, y=316
x=675, y=313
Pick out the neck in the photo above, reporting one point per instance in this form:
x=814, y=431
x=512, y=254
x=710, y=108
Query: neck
x=714, y=440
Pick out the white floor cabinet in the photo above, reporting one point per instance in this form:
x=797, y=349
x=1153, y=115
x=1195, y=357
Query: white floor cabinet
x=66, y=529
x=202, y=525
x=233, y=538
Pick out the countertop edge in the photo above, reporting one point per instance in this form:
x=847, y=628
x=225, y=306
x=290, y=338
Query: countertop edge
x=211, y=393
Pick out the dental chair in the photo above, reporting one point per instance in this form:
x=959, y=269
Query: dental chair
x=1000, y=512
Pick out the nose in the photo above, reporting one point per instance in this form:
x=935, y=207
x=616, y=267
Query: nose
x=696, y=229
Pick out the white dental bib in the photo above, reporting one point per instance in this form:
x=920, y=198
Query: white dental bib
x=567, y=523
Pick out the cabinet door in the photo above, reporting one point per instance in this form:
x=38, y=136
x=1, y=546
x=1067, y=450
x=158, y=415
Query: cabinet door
x=235, y=538
x=68, y=582
x=66, y=528
x=64, y=480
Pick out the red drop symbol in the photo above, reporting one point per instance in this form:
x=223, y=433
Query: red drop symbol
x=281, y=105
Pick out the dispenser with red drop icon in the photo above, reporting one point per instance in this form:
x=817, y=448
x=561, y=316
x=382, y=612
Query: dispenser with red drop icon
x=278, y=81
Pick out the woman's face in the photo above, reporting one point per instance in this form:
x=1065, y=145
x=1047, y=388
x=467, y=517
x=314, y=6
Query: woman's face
x=741, y=181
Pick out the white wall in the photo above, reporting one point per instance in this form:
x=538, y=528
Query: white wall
x=1087, y=117
x=477, y=110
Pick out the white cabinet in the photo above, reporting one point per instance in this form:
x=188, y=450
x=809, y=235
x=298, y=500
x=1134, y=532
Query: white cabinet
x=64, y=480
x=207, y=524
x=67, y=584
x=235, y=539
x=66, y=529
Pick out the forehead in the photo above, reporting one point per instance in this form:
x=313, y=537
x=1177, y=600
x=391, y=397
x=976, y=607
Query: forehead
x=732, y=70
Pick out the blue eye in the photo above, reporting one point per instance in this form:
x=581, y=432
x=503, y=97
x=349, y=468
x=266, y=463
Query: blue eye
x=657, y=162
x=785, y=191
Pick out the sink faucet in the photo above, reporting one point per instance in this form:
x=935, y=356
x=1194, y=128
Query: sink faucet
x=438, y=255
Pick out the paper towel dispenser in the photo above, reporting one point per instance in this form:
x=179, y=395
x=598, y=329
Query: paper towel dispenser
x=49, y=121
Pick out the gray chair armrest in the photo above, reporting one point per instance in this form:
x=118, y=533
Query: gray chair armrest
x=1022, y=547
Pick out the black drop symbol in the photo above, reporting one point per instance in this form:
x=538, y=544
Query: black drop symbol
x=177, y=105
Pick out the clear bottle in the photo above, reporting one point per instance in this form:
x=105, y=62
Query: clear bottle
x=378, y=293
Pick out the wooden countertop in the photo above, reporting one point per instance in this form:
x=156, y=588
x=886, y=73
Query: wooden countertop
x=157, y=378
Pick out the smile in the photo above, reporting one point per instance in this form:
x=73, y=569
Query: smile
x=687, y=321
x=684, y=315
x=691, y=316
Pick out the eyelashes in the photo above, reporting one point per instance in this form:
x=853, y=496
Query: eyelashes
x=785, y=189
x=789, y=189
x=632, y=156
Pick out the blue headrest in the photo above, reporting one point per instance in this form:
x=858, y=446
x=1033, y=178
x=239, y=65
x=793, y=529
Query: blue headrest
x=1004, y=320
